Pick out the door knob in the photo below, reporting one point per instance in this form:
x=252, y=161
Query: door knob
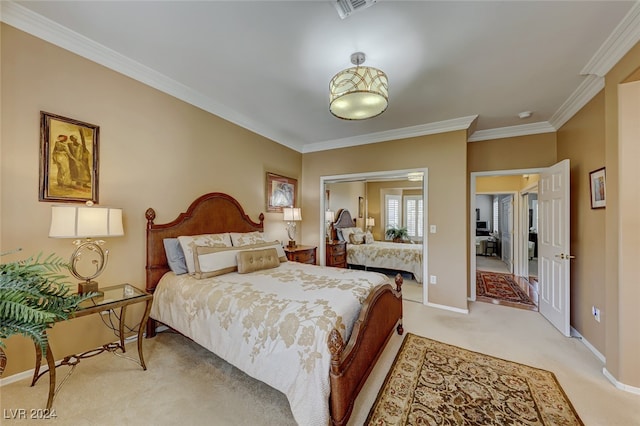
x=565, y=256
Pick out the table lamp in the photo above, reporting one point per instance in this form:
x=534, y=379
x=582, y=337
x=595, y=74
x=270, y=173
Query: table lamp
x=291, y=216
x=328, y=218
x=85, y=223
x=370, y=223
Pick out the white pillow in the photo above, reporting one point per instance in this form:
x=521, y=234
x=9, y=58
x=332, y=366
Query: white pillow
x=346, y=232
x=213, y=261
x=368, y=238
x=239, y=239
x=188, y=244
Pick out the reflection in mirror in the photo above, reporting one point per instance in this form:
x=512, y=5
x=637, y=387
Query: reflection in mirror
x=375, y=204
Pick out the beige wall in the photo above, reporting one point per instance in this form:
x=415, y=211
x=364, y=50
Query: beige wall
x=522, y=152
x=629, y=179
x=581, y=140
x=445, y=157
x=622, y=348
x=155, y=151
x=509, y=183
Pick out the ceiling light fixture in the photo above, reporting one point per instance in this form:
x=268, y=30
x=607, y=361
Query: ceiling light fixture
x=525, y=114
x=359, y=92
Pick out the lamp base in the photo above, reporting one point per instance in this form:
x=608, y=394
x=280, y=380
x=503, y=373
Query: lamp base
x=88, y=287
x=292, y=244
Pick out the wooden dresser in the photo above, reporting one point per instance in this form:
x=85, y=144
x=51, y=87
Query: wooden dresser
x=336, y=254
x=301, y=254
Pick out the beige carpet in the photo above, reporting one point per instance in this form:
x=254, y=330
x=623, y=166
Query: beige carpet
x=186, y=385
x=432, y=383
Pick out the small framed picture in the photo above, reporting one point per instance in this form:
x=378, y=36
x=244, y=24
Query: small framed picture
x=597, y=184
x=280, y=192
x=68, y=159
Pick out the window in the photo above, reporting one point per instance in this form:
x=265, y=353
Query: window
x=392, y=210
x=413, y=208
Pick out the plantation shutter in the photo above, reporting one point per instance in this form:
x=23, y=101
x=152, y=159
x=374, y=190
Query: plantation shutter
x=413, y=215
x=392, y=210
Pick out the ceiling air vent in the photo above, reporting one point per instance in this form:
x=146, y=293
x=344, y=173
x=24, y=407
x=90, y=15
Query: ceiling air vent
x=347, y=7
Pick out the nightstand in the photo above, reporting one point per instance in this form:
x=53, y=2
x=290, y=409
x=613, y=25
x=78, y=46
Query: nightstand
x=302, y=254
x=114, y=297
x=336, y=254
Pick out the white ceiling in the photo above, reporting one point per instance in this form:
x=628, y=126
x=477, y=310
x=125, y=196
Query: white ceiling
x=266, y=65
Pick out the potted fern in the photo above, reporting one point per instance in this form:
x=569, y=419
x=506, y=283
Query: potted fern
x=33, y=296
x=397, y=233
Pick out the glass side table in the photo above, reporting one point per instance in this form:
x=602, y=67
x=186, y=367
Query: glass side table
x=114, y=297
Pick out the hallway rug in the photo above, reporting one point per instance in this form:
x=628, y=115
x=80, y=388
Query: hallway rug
x=494, y=288
x=433, y=383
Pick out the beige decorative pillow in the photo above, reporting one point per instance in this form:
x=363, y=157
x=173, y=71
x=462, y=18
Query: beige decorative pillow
x=239, y=239
x=188, y=244
x=214, y=261
x=257, y=260
x=356, y=238
x=282, y=256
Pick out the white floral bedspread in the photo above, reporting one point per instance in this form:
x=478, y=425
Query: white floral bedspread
x=388, y=255
x=271, y=324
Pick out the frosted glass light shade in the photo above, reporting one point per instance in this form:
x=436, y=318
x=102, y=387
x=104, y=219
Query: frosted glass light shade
x=358, y=93
x=85, y=222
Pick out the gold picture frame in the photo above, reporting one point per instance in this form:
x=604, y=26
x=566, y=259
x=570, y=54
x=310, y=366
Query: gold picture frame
x=68, y=159
x=280, y=192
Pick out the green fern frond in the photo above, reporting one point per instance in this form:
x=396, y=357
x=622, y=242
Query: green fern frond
x=33, y=295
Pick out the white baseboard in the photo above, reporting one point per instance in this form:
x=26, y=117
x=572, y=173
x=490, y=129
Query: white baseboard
x=619, y=385
x=574, y=333
x=447, y=308
x=605, y=372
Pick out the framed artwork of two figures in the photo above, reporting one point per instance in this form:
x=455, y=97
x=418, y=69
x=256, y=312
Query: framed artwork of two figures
x=68, y=159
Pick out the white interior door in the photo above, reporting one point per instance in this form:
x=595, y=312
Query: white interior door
x=553, y=250
x=506, y=230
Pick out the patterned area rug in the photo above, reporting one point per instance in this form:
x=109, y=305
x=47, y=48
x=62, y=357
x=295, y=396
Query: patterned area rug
x=432, y=383
x=493, y=286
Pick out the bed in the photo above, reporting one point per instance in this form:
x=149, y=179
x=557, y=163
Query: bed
x=328, y=352
x=403, y=257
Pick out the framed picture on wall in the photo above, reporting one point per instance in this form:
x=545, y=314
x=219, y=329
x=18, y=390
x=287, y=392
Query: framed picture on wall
x=360, y=207
x=280, y=192
x=68, y=159
x=597, y=185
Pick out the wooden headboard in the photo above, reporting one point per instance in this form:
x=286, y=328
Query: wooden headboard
x=212, y=213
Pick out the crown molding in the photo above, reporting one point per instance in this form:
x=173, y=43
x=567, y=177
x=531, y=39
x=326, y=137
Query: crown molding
x=454, y=124
x=512, y=131
x=590, y=86
x=621, y=40
x=32, y=23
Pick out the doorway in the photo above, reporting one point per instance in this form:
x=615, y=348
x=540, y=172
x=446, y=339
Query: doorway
x=500, y=238
x=553, y=240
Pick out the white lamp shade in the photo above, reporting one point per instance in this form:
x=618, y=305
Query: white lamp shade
x=85, y=222
x=371, y=221
x=328, y=216
x=292, y=214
